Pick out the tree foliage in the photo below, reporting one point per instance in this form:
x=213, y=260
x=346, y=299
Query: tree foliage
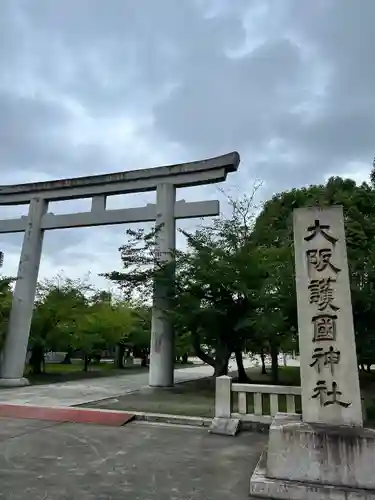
x=217, y=279
x=71, y=316
x=233, y=291
x=5, y=307
x=358, y=202
x=235, y=285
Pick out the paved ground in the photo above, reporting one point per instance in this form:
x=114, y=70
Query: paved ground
x=43, y=461
x=84, y=391
x=88, y=390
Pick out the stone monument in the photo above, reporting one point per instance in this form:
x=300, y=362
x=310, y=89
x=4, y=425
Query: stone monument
x=326, y=453
x=165, y=181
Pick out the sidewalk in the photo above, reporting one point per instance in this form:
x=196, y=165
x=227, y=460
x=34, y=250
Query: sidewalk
x=85, y=391
x=64, y=461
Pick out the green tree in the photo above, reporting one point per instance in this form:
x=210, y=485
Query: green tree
x=101, y=326
x=60, y=303
x=5, y=307
x=275, y=320
x=70, y=315
x=273, y=229
x=216, y=291
x=140, y=334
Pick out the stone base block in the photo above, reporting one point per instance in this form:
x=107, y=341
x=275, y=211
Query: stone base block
x=333, y=455
x=262, y=486
x=225, y=426
x=14, y=382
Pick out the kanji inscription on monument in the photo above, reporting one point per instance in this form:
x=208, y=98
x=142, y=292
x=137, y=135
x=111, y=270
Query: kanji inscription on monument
x=329, y=372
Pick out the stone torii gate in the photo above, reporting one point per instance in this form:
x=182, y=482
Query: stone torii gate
x=165, y=180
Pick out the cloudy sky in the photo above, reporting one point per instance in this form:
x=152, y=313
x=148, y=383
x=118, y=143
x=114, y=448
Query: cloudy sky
x=94, y=86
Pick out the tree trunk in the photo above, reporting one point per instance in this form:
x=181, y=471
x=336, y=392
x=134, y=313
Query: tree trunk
x=144, y=361
x=36, y=360
x=120, y=351
x=274, y=363
x=86, y=365
x=262, y=357
x=68, y=357
x=209, y=360
x=219, y=362
x=242, y=375
x=221, y=367
x=285, y=360
x=222, y=356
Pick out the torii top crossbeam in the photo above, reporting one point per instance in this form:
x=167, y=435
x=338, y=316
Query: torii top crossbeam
x=181, y=175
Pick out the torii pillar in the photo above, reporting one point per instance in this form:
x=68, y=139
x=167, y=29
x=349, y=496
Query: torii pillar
x=162, y=334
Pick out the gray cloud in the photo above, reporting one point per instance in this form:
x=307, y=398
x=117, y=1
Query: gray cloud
x=29, y=132
x=227, y=105
x=306, y=84
x=340, y=35
x=88, y=86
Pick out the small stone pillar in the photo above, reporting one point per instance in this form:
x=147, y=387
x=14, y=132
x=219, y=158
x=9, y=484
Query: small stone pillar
x=326, y=452
x=223, y=423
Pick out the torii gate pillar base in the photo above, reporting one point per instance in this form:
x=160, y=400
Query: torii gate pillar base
x=14, y=382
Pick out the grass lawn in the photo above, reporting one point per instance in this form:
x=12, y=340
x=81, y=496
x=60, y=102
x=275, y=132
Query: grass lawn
x=197, y=397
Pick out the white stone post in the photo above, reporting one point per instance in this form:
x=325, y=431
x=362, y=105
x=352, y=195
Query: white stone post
x=162, y=336
x=329, y=370
x=223, y=397
x=15, y=348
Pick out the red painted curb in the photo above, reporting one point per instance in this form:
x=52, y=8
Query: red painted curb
x=66, y=414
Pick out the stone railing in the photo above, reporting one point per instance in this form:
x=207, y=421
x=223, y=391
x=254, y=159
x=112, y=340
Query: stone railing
x=246, y=401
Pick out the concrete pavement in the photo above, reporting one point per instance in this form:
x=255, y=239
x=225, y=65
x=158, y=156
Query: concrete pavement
x=41, y=461
x=87, y=390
